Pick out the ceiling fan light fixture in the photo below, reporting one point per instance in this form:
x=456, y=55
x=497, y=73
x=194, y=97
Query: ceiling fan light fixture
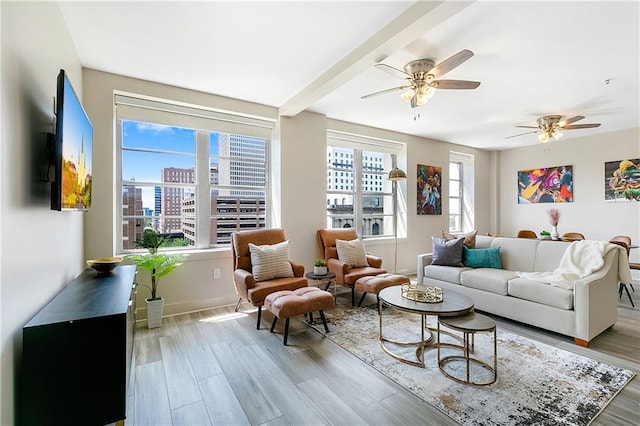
x=543, y=137
x=421, y=99
x=429, y=92
x=408, y=94
x=556, y=135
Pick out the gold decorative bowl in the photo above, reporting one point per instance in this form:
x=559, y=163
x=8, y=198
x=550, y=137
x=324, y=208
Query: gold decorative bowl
x=421, y=293
x=104, y=265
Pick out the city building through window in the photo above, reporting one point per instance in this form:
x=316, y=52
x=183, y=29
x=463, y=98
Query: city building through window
x=188, y=174
x=358, y=194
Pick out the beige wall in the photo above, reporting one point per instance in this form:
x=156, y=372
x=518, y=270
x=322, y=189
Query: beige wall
x=588, y=213
x=298, y=167
x=41, y=249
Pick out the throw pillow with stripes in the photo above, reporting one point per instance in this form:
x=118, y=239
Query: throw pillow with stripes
x=270, y=261
x=352, y=253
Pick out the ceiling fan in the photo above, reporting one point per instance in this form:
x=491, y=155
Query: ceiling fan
x=549, y=127
x=421, y=77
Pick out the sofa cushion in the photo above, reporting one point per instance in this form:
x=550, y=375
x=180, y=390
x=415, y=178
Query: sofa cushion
x=469, y=238
x=447, y=253
x=482, y=258
x=488, y=279
x=548, y=255
x=543, y=293
x=518, y=254
x=444, y=273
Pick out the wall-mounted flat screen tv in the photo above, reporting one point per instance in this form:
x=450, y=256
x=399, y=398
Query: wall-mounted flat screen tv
x=72, y=151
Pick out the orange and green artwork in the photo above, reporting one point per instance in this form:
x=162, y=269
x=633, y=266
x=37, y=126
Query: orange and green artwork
x=622, y=180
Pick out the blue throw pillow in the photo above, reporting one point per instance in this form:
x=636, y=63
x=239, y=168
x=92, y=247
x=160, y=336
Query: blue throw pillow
x=447, y=253
x=482, y=258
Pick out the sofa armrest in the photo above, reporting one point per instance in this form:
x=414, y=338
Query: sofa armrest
x=298, y=268
x=596, y=299
x=423, y=260
x=374, y=261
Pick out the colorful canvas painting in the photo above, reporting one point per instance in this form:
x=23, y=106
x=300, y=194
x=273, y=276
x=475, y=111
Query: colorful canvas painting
x=622, y=180
x=429, y=189
x=546, y=185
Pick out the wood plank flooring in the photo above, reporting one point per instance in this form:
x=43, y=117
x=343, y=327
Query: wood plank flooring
x=214, y=367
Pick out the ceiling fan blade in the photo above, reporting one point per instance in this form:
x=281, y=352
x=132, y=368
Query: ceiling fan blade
x=521, y=134
x=529, y=127
x=382, y=92
x=456, y=84
x=563, y=123
x=393, y=71
x=448, y=64
x=580, y=126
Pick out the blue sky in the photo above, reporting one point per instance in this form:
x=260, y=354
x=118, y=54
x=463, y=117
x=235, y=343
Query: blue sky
x=146, y=167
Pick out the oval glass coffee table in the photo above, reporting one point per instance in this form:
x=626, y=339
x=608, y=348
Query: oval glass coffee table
x=453, y=304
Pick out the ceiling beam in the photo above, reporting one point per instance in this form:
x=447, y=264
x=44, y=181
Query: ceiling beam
x=407, y=27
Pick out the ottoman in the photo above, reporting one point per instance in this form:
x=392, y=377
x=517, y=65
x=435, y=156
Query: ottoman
x=378, y=282
x=306, y=300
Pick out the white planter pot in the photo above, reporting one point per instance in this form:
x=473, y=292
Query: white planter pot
x=320, y=270
x=154, y=312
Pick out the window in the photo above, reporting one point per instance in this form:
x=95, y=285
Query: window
x=366, y=201
x=189, y=174
x=461, y=216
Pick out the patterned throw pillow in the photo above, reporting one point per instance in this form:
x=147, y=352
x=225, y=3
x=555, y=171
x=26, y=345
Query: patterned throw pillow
x=270, y=261
x=447, y=252
x=482, y=258
x=352, y=253
x=469, y=238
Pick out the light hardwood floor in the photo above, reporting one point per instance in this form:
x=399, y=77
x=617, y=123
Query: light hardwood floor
x=214, y=367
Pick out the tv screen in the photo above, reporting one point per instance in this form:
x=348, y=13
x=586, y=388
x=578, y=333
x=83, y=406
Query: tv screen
x=73, y=148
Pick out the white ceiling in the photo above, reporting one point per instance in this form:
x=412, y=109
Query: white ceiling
x=533, y=58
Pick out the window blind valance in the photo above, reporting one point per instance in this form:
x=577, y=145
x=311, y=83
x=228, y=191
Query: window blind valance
x=173, y=114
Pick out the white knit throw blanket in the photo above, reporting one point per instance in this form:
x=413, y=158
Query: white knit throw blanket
x=582, y=258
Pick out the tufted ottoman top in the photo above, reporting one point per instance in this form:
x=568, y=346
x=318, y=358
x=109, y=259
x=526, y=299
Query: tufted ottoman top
x=379, y=282
x=288, y=303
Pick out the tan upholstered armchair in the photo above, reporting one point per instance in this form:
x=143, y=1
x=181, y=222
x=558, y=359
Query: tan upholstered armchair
x=246, y=286
x=345, y=275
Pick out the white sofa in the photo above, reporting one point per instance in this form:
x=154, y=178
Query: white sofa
x=582, y=313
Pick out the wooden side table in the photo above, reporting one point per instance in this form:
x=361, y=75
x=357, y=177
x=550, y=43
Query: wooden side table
x=469, y=324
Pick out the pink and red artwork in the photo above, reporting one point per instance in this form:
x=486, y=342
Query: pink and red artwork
x=546, y=185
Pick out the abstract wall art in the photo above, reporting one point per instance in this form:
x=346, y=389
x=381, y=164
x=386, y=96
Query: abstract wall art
x=622, y=180
x=429, y=190
x=546, y=185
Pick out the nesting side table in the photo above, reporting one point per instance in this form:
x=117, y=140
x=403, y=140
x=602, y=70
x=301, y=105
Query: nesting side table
x=469, y=324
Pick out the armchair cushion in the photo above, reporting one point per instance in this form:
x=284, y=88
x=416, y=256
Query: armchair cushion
x=352, y=253
x=270, y=261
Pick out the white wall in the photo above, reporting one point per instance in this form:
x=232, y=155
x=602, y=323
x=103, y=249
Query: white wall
x=588, y=214
x=41, y=249
x=298, y=162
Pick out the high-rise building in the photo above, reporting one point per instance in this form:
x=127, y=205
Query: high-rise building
x=171, y=197
x=132, y=227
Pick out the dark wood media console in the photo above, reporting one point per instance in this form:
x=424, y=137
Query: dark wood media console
x=77, y=352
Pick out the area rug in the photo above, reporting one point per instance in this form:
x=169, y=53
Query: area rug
x=537, y=383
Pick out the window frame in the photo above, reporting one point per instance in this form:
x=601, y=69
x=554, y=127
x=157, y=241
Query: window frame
x=360, y=145
x=204, y=121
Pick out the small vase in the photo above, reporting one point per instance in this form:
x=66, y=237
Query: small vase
x=554, y=233
x=154, y=312
x=320, y=270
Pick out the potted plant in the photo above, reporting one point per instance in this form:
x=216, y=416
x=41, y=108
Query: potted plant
x=320, y=267
x=159, y=265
